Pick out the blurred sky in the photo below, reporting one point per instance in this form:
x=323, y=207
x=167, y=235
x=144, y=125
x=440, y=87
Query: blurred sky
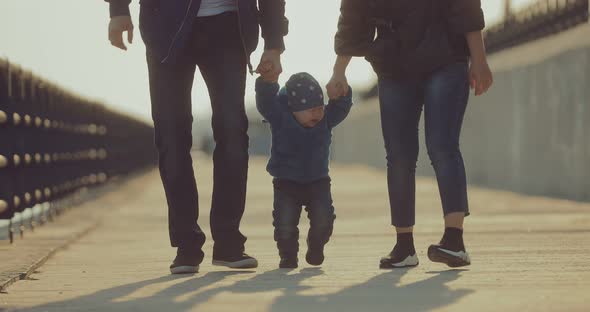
x=66, y=42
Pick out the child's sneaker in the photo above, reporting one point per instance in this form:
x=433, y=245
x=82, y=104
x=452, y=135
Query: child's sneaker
x=403, y=254
x=315, y=254
x=288, y=263
x=450, y=250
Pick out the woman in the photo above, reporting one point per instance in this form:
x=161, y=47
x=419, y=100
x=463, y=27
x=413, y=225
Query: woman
x=425, y=53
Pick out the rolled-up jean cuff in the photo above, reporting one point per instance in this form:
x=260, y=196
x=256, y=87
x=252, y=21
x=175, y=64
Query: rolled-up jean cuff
x=402, y=224
x=467, y=212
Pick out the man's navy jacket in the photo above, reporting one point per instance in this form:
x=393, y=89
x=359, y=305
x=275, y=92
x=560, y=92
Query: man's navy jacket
x=166, y=24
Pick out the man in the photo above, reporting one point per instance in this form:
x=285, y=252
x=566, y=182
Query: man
x=218, y=36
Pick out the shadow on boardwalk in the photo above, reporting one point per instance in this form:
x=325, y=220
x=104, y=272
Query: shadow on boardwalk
x=380, y=293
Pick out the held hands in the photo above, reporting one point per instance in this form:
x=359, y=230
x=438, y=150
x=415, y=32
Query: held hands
x=117, y=26
x=338, y=86
x=270, y=67
x=480, y=76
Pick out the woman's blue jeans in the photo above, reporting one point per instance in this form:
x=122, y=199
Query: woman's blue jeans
x=444, y=96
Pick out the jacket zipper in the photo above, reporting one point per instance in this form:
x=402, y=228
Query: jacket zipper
x=242, y=39
x=188, y=10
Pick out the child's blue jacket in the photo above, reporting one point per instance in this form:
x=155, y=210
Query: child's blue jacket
x=298, y=154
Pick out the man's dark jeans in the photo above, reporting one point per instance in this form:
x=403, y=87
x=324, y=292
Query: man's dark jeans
x=217, y=50
x=289, y=198
x=444, y=95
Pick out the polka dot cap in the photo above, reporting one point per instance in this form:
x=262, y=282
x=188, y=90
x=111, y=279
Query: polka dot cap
x=304, y=92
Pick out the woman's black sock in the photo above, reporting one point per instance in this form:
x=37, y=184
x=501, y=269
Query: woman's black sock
x=453, y=239
x=405, y=243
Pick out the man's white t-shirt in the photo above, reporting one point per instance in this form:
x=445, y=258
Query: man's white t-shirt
x=215, y=7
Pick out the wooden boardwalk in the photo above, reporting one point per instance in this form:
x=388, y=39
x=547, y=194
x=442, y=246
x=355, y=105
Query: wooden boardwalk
x=528, y=253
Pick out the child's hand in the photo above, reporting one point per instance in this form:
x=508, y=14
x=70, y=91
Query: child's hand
x=266, y=71
x=337, y=86
x=270, y=66
x=480, y=77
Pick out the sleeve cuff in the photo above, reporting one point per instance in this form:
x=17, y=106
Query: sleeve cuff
x=266, y=87
x=476, y=25
x=348, y=97
x=472, y=22
x=274, y=40
x=351, y=44
x=119, y=9
x=274, y=44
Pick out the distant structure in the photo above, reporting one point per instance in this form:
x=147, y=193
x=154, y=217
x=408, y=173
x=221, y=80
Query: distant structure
x=507, y=9
x=541, y=18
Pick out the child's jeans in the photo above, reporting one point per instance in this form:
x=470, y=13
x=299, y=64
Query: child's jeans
x=289, y=198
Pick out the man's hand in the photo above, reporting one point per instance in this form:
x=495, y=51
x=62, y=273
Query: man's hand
x=480, y=77
x=270, y=67
x=337, y=86
x=117, y=26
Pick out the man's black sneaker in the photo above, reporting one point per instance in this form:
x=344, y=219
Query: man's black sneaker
x=399, y=258
x=453, y=258
x=186, y=262
x=242, y=261
x=450, y=250
x=288, y=263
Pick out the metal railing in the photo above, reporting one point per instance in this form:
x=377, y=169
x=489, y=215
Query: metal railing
x=53, y=143
x=540, y=19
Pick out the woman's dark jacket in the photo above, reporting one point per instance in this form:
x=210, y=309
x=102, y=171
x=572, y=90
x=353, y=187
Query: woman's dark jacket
x=361, y=20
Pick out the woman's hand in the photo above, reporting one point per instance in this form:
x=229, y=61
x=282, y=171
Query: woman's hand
x=480, y=76
x=338, y=85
